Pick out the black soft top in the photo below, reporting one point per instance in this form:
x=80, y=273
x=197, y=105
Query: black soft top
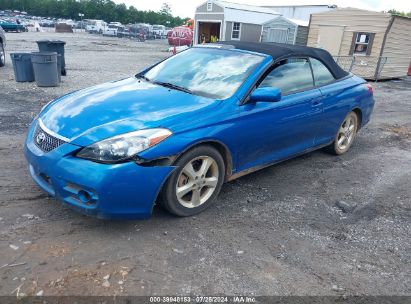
x=280, y=51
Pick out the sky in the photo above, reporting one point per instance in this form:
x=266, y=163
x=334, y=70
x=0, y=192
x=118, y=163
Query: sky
x=186, y=8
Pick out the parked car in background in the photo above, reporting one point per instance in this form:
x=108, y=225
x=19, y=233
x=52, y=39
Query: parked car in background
x=139, y=31
x=184, y=126
x=9, y=26
x=96, y=26
x=2, y=47
x=47, y=23
x=116, y=24
x=160, y=31
x=112, y=29
x=124, y=32
x=147, y=29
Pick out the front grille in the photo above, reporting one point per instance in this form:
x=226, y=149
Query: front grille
x=45, y=141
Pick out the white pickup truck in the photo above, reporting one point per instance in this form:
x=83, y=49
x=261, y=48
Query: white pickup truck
x=112, y=29
x=160, y=31
x=96, y=26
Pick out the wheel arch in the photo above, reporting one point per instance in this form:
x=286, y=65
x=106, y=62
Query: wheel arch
x=220, y=147
x=358, y=111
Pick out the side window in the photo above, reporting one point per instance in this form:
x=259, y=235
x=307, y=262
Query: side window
x=235, y=33
x=321, y=73
x=290, y=75
x=362, y=43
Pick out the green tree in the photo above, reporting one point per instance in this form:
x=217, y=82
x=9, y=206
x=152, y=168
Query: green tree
x=93, y=9
x=399, y=13
x=165, y=9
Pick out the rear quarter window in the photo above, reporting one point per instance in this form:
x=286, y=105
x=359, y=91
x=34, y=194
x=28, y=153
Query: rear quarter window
x=322, y=74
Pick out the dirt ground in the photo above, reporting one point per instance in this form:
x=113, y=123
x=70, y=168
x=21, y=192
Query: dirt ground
x=314, y=225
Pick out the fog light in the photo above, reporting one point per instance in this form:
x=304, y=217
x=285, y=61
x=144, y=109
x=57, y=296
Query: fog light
x=45, y=178
x=84, y=196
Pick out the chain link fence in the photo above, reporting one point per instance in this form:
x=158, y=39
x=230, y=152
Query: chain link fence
x=368, y=67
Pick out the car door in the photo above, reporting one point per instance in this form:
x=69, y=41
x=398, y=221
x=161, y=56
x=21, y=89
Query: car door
x=336, y=101
x=272, y=131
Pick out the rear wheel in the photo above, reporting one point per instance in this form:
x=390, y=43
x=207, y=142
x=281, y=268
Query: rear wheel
x=196, y=182
x=345, y=134
x=2, y=55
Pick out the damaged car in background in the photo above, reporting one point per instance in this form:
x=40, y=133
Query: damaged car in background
x=175, y=132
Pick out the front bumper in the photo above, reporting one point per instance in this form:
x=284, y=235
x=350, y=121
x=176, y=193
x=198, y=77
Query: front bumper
x=124, y=190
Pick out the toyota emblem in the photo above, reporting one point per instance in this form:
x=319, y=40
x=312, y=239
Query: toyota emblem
x=40, y=138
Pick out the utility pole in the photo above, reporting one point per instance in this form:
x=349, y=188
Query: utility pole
x=81, y=16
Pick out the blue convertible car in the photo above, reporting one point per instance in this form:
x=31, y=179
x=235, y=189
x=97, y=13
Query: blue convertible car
x=177, y=131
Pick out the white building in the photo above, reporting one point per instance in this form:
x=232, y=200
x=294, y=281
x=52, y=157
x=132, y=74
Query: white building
x=301, y=12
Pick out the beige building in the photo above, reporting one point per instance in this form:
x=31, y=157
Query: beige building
x=374, y=45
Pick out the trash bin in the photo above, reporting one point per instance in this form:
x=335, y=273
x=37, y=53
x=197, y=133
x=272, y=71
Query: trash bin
x=23, y=69
x=54, y=46
x=45, y=68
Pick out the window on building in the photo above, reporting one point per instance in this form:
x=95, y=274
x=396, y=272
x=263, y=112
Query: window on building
x=362, y=43
x=235, y=34
x=322, y=74
x=290, y=75
x=209, y=6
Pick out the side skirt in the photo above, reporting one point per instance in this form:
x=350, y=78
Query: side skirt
x=256, y=168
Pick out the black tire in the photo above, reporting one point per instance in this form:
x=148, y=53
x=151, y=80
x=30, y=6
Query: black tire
x=2, y=55
x=168, y=198
x=335, y=148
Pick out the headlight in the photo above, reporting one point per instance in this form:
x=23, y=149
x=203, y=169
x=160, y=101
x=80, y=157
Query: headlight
x=124, y=146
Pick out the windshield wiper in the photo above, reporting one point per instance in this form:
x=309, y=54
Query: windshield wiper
x=173, y=86
x=143, y=77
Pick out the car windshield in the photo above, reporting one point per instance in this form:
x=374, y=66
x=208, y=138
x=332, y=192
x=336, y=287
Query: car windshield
x=209, y=72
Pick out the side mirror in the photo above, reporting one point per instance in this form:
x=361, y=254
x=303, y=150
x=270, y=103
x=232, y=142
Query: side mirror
x=266, y=95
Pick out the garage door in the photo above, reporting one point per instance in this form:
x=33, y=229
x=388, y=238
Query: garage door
x=279, y=35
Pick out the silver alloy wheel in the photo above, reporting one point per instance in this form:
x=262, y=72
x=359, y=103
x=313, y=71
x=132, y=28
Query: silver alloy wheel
x=2, y=54
x=197, y=181
x=346, y=132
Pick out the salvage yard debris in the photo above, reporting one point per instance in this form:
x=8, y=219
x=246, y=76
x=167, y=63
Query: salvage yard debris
x=14, y=247
x=403, y=131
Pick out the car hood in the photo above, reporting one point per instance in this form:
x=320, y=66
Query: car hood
x=106, y=110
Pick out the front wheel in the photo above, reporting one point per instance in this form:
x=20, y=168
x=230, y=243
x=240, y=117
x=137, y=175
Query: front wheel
x=345, y=134
x=2, y=55
x=196, y=182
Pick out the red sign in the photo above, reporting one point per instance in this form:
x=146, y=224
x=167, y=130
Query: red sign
x=180, y=35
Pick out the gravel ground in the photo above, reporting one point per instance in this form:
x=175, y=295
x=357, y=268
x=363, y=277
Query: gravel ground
x=314, y=225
